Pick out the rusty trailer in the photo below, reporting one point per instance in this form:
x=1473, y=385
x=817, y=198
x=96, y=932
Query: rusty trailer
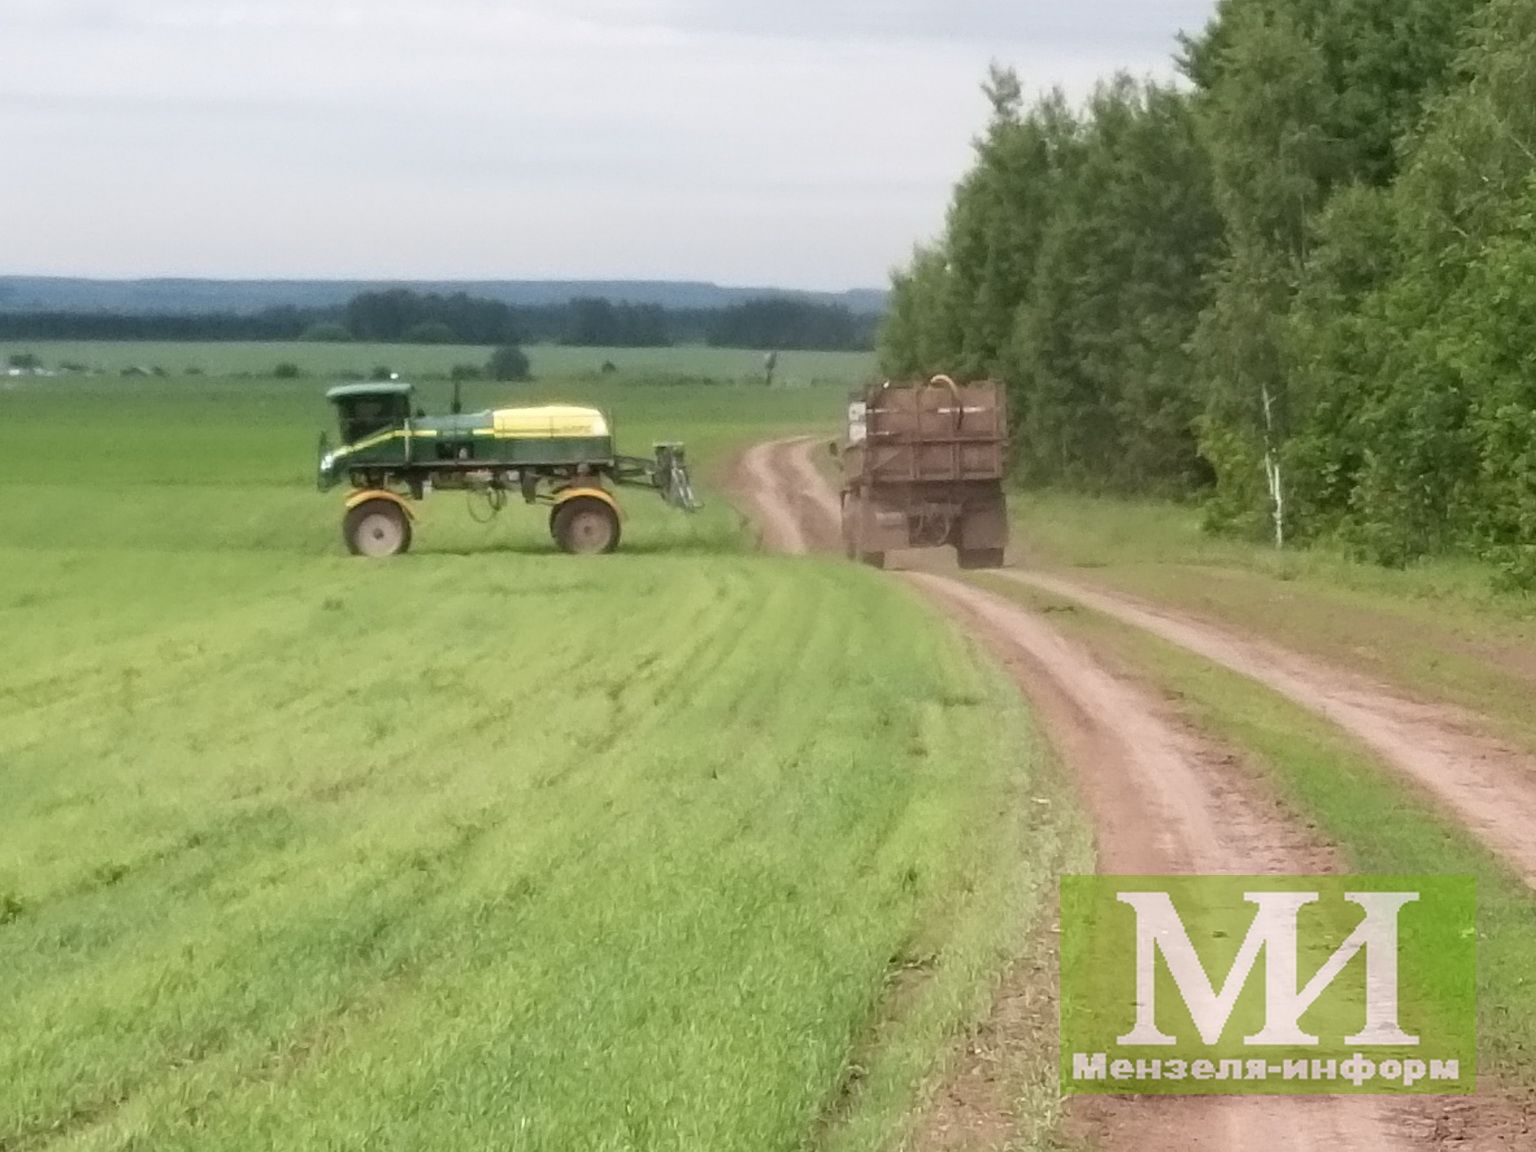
x=923, y=467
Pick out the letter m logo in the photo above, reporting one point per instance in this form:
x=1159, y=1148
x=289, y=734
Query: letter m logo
x=1273, y=936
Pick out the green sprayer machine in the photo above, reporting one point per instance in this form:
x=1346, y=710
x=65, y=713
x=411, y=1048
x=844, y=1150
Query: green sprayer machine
x=558, y=456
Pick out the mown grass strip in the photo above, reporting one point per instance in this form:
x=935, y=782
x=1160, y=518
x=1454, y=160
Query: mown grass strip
x=944, y=980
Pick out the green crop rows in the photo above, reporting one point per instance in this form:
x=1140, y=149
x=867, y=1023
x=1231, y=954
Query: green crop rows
x=483, y=847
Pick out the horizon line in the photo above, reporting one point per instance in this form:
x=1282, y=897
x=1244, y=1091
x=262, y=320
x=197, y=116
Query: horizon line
x=348, y=279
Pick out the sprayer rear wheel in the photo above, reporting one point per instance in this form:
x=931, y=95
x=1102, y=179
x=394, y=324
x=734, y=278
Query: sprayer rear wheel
x=586, y=526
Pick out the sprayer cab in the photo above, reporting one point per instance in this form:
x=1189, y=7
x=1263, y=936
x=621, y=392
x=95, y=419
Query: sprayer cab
x=364, y=410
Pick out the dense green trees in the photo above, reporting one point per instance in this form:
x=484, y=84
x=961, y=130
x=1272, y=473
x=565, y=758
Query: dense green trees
x=593, y=322
x=1419, y=357
x=509, y=363
x=270, y=324
x=399, y=314
x=785, y=322
x=1298, y=100
x=431, y=332
x=1302, y=285
x=327, y=332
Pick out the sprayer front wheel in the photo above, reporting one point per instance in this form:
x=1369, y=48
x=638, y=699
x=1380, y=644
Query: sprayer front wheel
x=586, y=526
x=377, y=528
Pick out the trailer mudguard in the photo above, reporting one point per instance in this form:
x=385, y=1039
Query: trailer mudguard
x=379, y=494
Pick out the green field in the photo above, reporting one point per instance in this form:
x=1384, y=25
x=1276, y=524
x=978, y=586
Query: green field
x=483, y=847
x=547, y=360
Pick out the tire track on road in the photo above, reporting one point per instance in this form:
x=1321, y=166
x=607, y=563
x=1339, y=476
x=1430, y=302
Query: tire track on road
x=1488, y=786
x=787, y=498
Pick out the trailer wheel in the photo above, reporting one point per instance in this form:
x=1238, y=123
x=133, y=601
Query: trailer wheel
x=851, y=513
x=377, y=528
x=586, y=526
x=972, y=559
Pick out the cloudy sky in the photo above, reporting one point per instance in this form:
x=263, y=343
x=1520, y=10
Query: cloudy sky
x=791, y=142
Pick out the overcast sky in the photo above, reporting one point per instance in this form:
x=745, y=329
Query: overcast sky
x=801, y=143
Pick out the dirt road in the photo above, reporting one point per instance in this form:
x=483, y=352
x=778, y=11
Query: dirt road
x=1163, y=799
x=779, y=488
x=1488, y=785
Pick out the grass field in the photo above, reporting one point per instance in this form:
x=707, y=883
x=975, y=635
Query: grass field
x=547, y=360
x=484, y=847
x=1441, y=628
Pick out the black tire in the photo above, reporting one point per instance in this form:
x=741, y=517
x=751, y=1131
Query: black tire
x=873, y=559
x=850, y=517
x=376, y=529
x=972, y=559
x=586, y=526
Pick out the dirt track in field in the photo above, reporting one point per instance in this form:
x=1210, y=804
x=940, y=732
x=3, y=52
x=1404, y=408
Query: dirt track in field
x=1489, y=786
x=779, y=489
x=1164, y=799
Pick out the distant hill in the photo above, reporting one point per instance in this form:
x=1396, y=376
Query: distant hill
x=187, y=297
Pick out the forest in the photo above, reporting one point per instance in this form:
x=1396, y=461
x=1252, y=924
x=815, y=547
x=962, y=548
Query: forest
x=1298, y=284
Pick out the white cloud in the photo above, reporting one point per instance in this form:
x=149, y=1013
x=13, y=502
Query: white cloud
x=795, y=142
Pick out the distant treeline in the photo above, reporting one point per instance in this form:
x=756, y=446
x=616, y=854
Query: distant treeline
x=406, y=317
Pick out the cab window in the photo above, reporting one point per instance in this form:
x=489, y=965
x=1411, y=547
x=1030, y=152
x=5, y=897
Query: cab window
x=363, y=416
